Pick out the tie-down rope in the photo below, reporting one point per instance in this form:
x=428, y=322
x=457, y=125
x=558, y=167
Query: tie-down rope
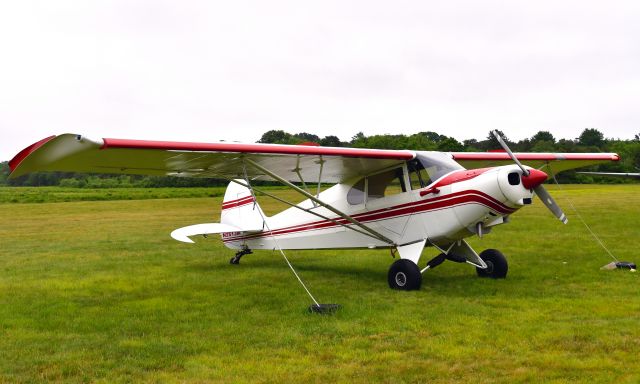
x=584, y=222
x=264, y=220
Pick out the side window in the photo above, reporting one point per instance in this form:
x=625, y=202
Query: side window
x=418, y=175
x=385, y=184
x=355, y=195
x=423, y=175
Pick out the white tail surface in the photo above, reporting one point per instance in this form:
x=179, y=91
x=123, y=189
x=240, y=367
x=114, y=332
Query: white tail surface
x=240, y=213
x=239, y=209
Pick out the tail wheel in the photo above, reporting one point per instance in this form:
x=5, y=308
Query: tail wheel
x=497, y=266
x=404, y=275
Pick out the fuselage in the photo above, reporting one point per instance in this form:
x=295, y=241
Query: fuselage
x=399, y=204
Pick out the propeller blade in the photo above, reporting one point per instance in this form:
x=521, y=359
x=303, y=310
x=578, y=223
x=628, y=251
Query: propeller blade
x=539, y=189
x=511, y=155
x=550, y=203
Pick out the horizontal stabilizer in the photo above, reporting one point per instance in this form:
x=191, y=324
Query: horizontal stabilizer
x=182, y=234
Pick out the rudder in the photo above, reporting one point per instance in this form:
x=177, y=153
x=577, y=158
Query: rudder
x=240, y=209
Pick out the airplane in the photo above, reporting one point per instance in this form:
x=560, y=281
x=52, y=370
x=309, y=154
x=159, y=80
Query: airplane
x=402, y=200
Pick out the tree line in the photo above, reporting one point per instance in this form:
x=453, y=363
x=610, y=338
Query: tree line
x=590, y=140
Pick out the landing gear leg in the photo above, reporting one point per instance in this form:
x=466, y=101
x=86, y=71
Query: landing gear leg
x=236, y=259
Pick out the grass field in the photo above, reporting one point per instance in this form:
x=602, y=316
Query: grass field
x=58, y=194
x=96, y=291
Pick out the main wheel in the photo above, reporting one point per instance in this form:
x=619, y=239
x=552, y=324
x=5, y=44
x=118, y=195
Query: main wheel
x=497, y=266
x=404, y=275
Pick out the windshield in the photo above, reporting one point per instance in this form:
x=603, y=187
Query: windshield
x=430, y=166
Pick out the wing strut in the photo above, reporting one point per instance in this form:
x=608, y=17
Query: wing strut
x=350, y=219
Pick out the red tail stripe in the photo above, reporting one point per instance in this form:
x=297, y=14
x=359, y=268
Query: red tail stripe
x=237, y=202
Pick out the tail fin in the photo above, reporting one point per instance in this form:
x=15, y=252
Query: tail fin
x=240, y=209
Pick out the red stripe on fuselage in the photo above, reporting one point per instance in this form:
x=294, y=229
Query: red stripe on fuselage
x=443, y=202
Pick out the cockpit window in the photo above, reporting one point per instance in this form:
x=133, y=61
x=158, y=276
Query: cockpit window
x=377, y=186
x=385, y=183
x=429, y=167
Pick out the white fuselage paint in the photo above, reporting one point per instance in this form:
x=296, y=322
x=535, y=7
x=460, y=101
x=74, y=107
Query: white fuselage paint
x=449, y=215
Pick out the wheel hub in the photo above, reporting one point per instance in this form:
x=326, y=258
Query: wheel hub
x=401, y=279
x=489, y=266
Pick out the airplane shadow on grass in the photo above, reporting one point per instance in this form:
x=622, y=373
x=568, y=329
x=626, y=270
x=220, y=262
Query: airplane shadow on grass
x=464, y=283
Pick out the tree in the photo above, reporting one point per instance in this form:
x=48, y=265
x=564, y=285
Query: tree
x=358, y=136
x=433, y=136
x=330, y=141
x=493, y=139
x=543, y=136
x=543, y=146
x=591, y=137
x=386, y=142
x=4, y=172
x=275, y=137
x=450, y=144
x=307, y=137
x=471, y=145
x=565, y=145
x=491, y=143
x=420, y=142
x=359, y=140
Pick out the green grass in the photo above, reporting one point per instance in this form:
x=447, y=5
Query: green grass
x=62, y=194
x=11, y=195
x=98, y=292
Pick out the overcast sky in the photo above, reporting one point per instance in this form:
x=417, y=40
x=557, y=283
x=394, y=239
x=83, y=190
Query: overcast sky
x=231, y=70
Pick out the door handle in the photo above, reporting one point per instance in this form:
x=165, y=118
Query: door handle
x=433, y=190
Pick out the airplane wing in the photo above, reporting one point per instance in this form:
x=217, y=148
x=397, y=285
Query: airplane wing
x=613, y=174
x=551, y=163
x=75, y=153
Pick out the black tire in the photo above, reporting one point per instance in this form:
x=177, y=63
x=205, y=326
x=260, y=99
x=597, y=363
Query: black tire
x=497, y=266
x=404, y=275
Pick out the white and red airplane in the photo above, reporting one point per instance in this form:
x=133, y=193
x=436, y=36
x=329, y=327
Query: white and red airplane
x=401, y=200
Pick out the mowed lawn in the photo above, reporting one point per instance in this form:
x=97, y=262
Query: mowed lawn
x=97, y=291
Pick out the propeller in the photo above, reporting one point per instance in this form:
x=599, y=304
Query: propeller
x=534, y=174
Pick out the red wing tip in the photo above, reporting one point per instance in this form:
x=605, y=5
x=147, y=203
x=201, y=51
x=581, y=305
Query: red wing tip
x=17, y=159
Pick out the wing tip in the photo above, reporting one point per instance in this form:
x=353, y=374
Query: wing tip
x=19, y=158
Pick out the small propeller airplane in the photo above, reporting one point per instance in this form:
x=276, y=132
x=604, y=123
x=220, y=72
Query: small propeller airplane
x=401, y=200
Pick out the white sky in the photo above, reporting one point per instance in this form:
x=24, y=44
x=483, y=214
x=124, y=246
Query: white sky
x=231, y=70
